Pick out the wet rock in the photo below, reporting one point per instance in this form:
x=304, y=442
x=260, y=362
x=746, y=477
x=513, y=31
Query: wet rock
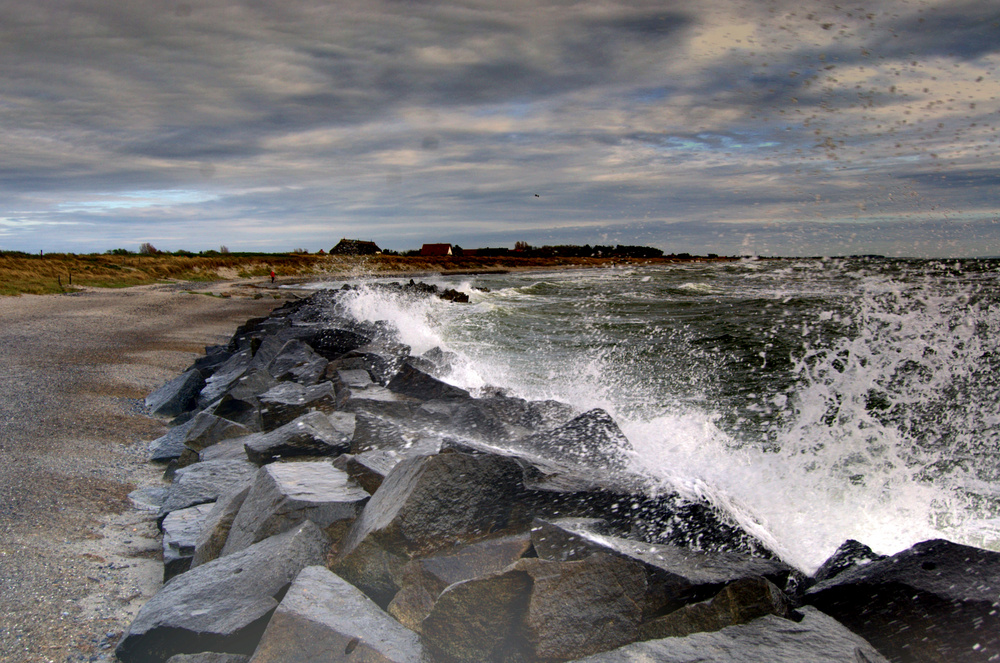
x=368, y=468
x=205, y=482
x=312, y=434
x=412, y=382
x=592, y=440
x=177, y=395
x=851, y=553
x=582, y=607
x=224, y=377
x=289, y=400
x=216, y=526
x=739, y=603
x=936, y=601
x=233, y=449
x=373, y=432
x=243, y=412
x=215, y=356
x=675, y=576
x=284, y=494
x=298, y=362
x=426, y=504
x=324, y=618
x=333, y=343
x=208, y=657
x=222, y=606
x=180, y=535
x=479, y=619
x=816, y=638
x=423, y=580
x=348, y=381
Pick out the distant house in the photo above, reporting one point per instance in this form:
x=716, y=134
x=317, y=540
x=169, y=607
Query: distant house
x=355, y=247
x=435, y=250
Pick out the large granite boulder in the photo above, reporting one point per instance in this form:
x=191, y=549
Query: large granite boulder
x=426, y=504
x=171, y=444
x=368, y=468
x=592, y=440
x=205, y=482
x=936, y=601
x=413, y=382
x=298, y=362
x=312, y=434
x=222, y=606
x=851, y=553
x=424, y=579
x=224, y=377
x=289, y=400
x=282, y=495
x=675, y=576
x=334, y=343
x=739, y=603
x=177, y=395
x=324, y=618
x=208, y=429
x=215, y=528
x=180, y=535
x=815, y=638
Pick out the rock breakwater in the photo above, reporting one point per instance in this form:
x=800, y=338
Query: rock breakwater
x=332, y=499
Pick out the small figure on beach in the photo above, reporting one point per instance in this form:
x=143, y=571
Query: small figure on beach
x=272, y=276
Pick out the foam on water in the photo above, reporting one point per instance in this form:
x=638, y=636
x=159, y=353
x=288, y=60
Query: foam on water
x=886, y=433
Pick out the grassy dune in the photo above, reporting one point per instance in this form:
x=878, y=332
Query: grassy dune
x=57, y=273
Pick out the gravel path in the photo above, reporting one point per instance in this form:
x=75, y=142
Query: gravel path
x=77, y=560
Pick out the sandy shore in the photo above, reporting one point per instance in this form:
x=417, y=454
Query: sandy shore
x=77, y=560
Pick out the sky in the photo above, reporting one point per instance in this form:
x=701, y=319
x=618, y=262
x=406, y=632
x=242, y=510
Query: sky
x=733, y=127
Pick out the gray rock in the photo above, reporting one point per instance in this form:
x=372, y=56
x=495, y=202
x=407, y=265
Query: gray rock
x=816, y=638
x=177, y=395
x=373, y=432
x=205, y=482
x=323, y=615
x=170, y=445
x=149, y=498
x=333, y=343
x=207, y=429
x=180, y=534
x=423, y=580
x=426, y=504
x=208, y=657
x=289, y=400
x=239, y=411
x=936, y=601
x=216, y=526
x=312, y=434
x=739, y=603
x=592, y=440
x=224, y=377
x=298, y=362
x=232, y=449
x=222, y=606
x=251, y=385
x=368, y=468
x=851, y=553
x=410, y=381
x=582, y=607
x=675, y=576
x=284, y=494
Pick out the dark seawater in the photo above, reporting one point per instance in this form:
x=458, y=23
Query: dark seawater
x=814, y=400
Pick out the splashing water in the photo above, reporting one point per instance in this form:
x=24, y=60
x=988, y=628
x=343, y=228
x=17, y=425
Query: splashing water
x=814, y=401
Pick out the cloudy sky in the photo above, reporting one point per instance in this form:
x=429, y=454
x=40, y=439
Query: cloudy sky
x=734, y=127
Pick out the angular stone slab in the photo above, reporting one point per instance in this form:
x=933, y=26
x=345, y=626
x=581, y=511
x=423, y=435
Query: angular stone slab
x=368, y=468
x=215, y=528
x=582, y=607
x=243, y=412
x=207, y=429
x=224, y=377
x=936, y=601
x=592, y=439
x=180, y=535
x=816, y=638
x=325, y=618
x=333, y=343
x=284, y=494
x=177, y=395
x=205, y=482
x=424, y=579
x=312, y=434
x=675, y=576
x=426, y=504
x=222, y=606
x=298, y=362
x=851, y=553
x=171, y=444
x=288, y=401
x=739, y=603
x=410, y=381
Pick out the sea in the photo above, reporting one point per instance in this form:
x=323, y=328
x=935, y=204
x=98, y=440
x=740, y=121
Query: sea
x=811, y=400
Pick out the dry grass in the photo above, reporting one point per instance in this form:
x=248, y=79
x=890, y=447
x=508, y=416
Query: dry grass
x=55, y=273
